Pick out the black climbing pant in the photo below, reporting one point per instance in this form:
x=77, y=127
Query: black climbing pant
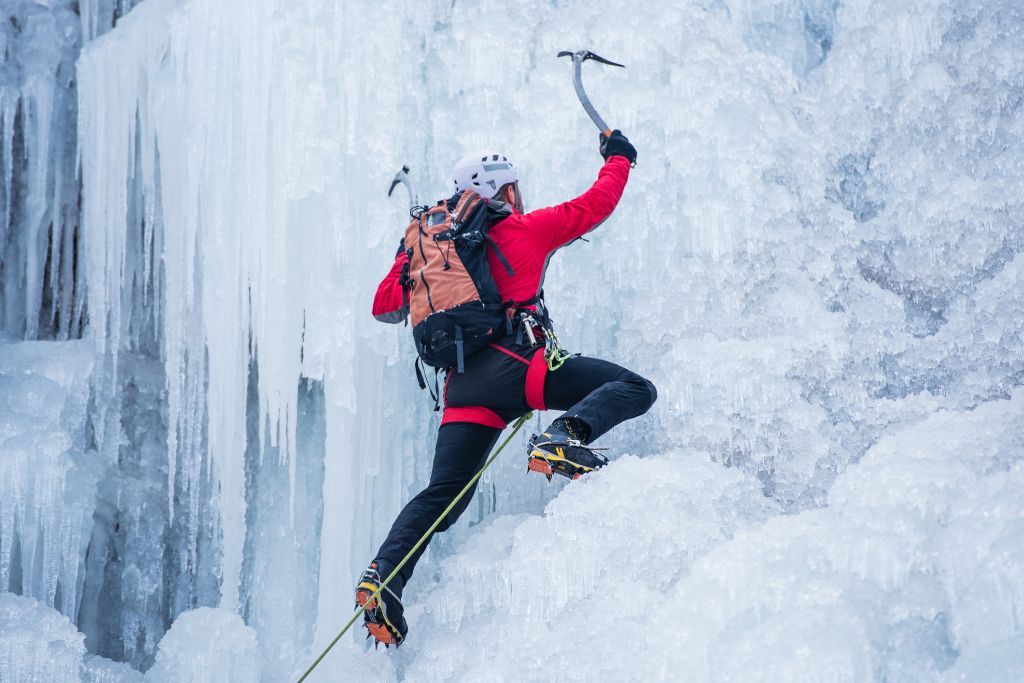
x=596, y=392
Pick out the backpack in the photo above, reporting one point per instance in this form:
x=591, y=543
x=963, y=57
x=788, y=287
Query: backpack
x=454, y=303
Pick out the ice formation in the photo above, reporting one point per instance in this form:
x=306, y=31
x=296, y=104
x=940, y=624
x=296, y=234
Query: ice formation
x=207, y=645
x=38, y=182
x=817, y=260
x=48, y=475
x=916, y=561
x=97, y=669
x=37, y=643
x=41, y=285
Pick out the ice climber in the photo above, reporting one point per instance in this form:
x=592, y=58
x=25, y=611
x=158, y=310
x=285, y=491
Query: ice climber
x=457, y=252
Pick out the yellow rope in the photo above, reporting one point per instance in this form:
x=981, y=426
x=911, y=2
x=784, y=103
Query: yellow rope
x=423, y=539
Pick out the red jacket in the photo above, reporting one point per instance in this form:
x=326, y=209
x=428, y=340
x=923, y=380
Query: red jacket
x=527, y=240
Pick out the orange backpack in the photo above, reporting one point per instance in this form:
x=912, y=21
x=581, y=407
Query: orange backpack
x=454, y=303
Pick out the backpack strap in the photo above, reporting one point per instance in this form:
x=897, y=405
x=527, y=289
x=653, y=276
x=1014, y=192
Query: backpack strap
x=465, y=206
x=497, y=252
x=435, y=391
x=460, y=357
x=419, y=374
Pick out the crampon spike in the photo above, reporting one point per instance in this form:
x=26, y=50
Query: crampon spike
x=378, y=631
x=381, y=635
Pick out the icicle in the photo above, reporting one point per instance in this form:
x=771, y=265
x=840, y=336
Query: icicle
x=8, y=107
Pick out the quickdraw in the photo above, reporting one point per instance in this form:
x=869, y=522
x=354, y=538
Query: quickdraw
x=556, y=358
x=554, y=354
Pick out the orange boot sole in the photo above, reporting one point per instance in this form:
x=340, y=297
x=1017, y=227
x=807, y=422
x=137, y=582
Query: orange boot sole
x=538, y=464
x=377, y=627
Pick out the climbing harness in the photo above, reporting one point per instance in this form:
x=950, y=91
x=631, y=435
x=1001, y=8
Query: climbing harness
x=423, y=539
x=554, y=354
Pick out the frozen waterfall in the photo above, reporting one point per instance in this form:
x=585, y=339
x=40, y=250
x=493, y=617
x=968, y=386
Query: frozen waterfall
x=204, y=435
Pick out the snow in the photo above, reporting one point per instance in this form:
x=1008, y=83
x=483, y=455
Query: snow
x=99, y=670
x=207, y=645
x=672, y=563
x=37, y=643
x=817, y=261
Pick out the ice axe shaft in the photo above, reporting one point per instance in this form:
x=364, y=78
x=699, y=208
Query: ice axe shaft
x=403, y=178
x=578, y=58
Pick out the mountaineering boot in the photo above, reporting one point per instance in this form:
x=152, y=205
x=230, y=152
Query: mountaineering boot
x=383, y=616
x=561, y=450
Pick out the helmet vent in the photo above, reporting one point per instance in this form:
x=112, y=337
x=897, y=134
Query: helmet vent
x=484, y=173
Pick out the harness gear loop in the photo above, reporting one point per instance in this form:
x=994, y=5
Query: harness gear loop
x=526, y=325
x=554, y=354
x=423, y=539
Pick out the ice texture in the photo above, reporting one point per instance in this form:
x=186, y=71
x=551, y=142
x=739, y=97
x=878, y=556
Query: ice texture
x=207, y=645
x=248, y=366
x=98, y=669
x=41, y=285
x=38, y=179
x=673, y=564
x=37, y=643
x=817, y=261
x=48, y=475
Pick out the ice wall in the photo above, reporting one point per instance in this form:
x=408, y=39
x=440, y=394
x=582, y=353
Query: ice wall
x=48, y=473
x=818, y=250
x=38, y=179
x=40, y=282
x=270, y=311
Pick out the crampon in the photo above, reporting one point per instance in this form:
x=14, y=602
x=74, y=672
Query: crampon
x=552, y=453
x=382, y=613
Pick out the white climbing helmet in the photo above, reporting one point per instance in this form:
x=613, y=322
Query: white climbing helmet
x=484, y=173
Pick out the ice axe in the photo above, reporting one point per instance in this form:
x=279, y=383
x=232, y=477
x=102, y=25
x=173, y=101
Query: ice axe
x=577, y=62
x=403, y=178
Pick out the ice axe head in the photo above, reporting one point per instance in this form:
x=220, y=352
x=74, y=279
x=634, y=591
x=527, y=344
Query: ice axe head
x=399, y=178
x=402, y=177
x=578, y=58
x=584, y=55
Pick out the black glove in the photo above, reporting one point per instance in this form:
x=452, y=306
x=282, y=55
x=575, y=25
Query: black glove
x=617, y=145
